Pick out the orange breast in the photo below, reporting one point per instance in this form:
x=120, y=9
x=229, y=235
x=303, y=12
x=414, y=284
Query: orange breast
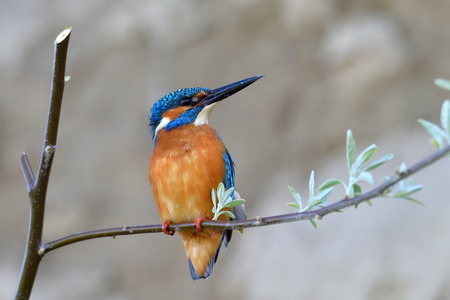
x=187, y=163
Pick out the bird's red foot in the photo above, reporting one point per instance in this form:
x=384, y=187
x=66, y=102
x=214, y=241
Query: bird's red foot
x=198, y=223
x=165, y=225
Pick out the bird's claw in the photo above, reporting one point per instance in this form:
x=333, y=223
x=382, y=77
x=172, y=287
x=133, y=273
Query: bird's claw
x=165, y=225
x=198, y=224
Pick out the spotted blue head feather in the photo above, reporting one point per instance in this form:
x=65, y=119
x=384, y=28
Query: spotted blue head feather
x=174, y=100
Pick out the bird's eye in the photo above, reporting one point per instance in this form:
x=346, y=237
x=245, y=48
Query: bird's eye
x=185, y=102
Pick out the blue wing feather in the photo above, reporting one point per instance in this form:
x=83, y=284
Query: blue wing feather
x=229, y=183
x=229, y=165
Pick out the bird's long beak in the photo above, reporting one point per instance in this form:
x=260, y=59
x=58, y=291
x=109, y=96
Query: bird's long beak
x=226, y=91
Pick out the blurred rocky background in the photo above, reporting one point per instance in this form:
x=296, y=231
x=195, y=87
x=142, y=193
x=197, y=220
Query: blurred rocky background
x=330, y=65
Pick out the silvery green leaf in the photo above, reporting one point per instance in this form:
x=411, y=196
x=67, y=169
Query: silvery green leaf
x=220, y=190
x=356, y=190
x=294, y=194
x=435, y=131
x=365, y=156
x=234, y=203
x=401, y=185
x=227, y=195
x=311, y=184
x=414, y=200
x=313, y=223
x=295, y=205
x=433, y=142
x=402, y=168
x=379, y=162
x=314, y=201
x=365, y=176
x=329, y=183
x=442, y=83
x=227, y=213
x=445, y=117
x=323, y=194
x=297, y=198
x=413, y=189
x=213, y=198
x=399, y=194
x=351, y=150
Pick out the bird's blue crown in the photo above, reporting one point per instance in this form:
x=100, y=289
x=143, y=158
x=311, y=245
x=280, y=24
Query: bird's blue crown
x=174, y=100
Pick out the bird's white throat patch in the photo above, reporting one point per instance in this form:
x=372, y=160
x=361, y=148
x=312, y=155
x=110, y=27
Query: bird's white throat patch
x=161, y=125
x=203, y=116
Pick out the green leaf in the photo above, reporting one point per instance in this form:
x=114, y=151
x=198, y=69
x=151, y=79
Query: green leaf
x=227, y=213
x=297, y=198
x=379, y=162
x=400, y=194
x=220, y=190
x=329, y=183
x=445, y=117
x=402, y=168
x=433, y=142
x=313, y=223
x=311, y=184
x=365, y=156
x=435, y=131
x=414, y=200
x=227, y=195
x=323, y=194
x=367, y=177
x=213, y=198
x=295, y=205
x=294, y=194
x=314, y=201
x=442, y=83
x=224, y=199
x=351, y=150
x=413, y=189
x=356, y=190
x=234, y=203
x=292, y=191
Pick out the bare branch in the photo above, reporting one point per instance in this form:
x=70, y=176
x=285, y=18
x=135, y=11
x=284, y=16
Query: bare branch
x=257, y=222
x=37, y=188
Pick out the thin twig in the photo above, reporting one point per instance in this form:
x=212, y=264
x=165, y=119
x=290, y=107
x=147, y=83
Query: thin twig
x=257, y=222
x=37, y=188
x=27, y=171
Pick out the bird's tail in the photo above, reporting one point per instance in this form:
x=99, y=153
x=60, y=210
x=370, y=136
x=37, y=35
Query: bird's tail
x=202, y=250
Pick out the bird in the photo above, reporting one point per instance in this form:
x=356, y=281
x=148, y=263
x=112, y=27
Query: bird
x=189, y=160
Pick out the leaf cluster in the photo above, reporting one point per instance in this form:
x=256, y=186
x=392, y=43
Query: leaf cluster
x=222, y=199
x=357, y=170
x=439, y=134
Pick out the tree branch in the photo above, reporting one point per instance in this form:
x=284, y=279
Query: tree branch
x=257, y=222
x=37, y=188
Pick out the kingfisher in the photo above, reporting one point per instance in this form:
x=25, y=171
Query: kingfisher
x=189, y=160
